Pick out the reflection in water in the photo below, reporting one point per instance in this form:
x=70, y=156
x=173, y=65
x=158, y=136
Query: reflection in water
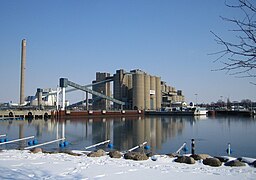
x=163, y=134
x=21, y=135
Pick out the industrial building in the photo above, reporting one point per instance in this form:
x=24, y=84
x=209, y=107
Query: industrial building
x=137, y=89
x=103, y=88
x=131, y=90
x=43, y=97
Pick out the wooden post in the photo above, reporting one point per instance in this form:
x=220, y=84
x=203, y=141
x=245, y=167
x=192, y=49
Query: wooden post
x=229, y=149
x=192, y=146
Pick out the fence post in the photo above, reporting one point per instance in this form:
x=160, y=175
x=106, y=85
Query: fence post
x=192, y=146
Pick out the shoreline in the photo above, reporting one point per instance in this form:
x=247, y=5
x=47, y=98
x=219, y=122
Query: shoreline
x=21, y=164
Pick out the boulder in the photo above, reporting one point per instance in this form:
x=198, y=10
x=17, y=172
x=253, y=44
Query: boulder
x=129, y=155
x=185, y=159
x=199, y=156
x=253, y=164
x=246, y=160
x=137, y=156
x=140, y=157
x=93, y=154
x=222, y=159
x=72, y=153
x=97, y=153
x=234, y=163
x=172, y=155
x=101, y=152
x=36, y=150
x=214, y=162
x=51, y=152
x=115, y=154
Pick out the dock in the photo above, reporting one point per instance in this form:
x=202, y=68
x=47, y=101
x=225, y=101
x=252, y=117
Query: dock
x=170, y=113
x=16, y=114
x=230, y=113
x=64, y=114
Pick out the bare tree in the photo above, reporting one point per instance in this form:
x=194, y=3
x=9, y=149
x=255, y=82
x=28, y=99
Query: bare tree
x=239, y=58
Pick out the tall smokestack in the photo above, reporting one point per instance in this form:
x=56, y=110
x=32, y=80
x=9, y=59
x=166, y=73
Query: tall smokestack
x=22, y=75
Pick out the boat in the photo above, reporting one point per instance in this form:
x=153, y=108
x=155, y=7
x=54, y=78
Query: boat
x=200, y=111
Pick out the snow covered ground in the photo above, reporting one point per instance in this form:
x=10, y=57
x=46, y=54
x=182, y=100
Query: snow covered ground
x=16, y=164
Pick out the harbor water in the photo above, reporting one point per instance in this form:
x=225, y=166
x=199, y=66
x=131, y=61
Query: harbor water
x=163, y=134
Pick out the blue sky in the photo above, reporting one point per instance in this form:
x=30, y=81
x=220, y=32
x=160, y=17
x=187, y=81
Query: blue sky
x=75, y=39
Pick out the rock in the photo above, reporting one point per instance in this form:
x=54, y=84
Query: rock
x=97, y=153
x=129, y=155
x=222, y=159
x=137, y=156
x=101, y=152
x=234, y=163
x=140, y=157
x=92, y=154
x=172, y=155
x=246, y=160
x=72, y=153
x=51, y=152
x=115, y=154
x=200, y=156
x=253, y=164
x=185, y=159
x=36, y=150
x=214, y=162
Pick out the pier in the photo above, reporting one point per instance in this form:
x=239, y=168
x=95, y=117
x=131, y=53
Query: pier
x=231, y=113
x=169, y=113
x=64, y=114
x=37, y=114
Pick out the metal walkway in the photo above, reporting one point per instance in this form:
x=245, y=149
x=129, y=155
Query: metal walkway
x=64, y=82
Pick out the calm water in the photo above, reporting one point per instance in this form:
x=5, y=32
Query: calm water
x=164, y=134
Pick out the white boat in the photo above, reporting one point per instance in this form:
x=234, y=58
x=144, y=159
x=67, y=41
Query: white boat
x=200, y=111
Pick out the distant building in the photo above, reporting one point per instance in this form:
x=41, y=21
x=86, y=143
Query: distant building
x=43, y=97
x=170, y=96
x=137, y=89
x=103, y=88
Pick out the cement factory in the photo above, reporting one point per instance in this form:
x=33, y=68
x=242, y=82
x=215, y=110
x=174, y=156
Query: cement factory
x=137, y=90
x=124, y=90
x=133, y=92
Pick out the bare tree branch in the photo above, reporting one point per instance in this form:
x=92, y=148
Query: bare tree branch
x=239, y=58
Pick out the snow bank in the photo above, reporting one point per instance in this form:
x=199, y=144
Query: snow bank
x=15, y=164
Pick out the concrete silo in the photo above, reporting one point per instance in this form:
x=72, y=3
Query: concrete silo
x=104, y=88
x=147, y=91
x=130, y=93
x=118, y=83
x=158, y=93
x=39, y=97
x=123, y=88
x=152, y=92
x=138, y=90
x=163, y=86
